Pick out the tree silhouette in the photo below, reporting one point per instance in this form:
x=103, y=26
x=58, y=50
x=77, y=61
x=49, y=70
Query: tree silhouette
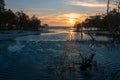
x=22, y=20
x=35, y=23
x=2, y=5
x=18, y=20
x=9, y=19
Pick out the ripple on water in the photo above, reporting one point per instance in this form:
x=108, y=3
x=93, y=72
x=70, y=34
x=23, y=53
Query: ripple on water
x=53, y=60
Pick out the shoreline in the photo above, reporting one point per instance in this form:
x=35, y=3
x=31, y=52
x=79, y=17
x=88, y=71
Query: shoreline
x=12, y=34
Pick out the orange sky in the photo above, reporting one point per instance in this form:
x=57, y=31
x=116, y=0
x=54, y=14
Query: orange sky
x=63, y=19
x=59, y=12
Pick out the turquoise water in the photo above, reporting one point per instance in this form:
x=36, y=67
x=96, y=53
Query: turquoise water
x=34, y=57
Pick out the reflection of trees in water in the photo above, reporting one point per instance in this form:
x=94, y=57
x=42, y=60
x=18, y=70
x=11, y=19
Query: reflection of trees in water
x=64, y=70
x=71, y=36
x=81, y=36
x=75, y=36
x=68, y=65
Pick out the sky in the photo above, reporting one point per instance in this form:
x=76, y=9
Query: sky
x=58, y=12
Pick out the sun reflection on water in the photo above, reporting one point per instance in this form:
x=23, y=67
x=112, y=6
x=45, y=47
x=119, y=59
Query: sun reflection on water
x=71, y=35
x=77, y=36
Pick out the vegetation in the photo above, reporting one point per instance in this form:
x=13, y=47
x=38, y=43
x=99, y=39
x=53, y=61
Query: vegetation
x=17, y=20
x=86, y=62
x=2, y=4
x=108, y=22
x=101, y=21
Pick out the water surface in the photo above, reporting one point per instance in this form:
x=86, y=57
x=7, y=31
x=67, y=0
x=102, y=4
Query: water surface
x=52, y=56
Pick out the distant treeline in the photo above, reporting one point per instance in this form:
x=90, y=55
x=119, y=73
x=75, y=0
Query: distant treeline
x=17, y=20
x=110, y=21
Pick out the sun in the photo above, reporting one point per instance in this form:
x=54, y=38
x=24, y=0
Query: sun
x=72, y=21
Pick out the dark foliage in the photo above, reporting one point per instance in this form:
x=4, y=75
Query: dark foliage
x=86, y=62
x=2, y=5
x=19, y=20
x=109, y=22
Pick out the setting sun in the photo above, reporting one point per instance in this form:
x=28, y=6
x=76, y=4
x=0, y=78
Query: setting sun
x=72, y=21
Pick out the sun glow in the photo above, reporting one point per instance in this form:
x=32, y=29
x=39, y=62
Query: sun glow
x=72, y=21
x=68, y=19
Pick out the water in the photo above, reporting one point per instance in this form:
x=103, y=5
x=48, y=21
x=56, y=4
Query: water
x=32, y=58
x=62, y=34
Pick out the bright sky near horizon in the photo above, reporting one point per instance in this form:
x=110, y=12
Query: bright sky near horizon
x=58, y=12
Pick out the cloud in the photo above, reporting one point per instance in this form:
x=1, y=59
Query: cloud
x=38, y=11
x=87, y=3
x=73, y=15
